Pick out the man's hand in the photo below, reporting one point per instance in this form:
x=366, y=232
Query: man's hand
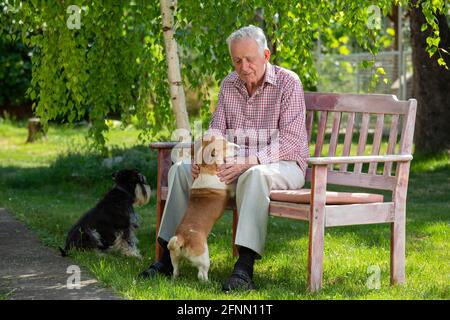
x=195, y=170
x=234, y=167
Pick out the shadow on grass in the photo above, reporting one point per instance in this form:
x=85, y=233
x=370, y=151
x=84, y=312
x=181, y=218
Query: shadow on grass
x=82, y=168
x=51, y=198
x=76, y=174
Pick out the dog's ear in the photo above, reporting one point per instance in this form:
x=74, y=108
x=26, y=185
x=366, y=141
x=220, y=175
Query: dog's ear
x=141, y=178
x=114, y=176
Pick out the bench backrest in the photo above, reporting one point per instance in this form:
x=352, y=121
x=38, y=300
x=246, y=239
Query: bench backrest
x=348, y=123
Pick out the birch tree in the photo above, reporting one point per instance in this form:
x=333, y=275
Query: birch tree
x=177, y=96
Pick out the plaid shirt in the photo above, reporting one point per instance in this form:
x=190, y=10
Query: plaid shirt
x=271, y=123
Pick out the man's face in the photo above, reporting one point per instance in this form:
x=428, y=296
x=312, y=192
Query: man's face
x=248, y=61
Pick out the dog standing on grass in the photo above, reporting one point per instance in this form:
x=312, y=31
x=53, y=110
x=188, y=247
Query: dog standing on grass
x=207, y=201
x=111, y=224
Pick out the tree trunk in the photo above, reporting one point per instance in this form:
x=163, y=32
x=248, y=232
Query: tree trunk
x=431, y=86
x=177, y=96
x=35, y=130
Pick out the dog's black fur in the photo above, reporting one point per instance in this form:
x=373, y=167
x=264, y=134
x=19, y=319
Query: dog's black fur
x=112, y=222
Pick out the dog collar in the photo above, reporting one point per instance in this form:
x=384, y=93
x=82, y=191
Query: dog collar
x=124, y=190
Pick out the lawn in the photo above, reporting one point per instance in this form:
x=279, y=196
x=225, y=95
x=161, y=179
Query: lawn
x=49, y=184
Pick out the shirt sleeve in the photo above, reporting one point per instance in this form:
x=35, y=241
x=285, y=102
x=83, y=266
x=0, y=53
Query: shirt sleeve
x=291, y=142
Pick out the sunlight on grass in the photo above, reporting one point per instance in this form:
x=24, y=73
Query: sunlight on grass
x=49, y=184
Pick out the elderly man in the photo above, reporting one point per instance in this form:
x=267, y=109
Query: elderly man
x=262, y=107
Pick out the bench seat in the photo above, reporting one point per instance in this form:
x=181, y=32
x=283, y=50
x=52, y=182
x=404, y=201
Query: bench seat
x=332, y=197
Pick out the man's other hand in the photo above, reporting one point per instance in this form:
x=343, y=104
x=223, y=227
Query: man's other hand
x=234, y=167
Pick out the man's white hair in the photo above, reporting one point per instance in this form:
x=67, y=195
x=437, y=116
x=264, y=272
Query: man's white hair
x=249, y=32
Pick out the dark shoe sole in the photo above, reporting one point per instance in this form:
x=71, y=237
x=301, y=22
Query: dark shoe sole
x=155, y=269
x=238, y=281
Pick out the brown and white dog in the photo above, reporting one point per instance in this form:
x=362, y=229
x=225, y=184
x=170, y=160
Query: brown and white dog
x=207, y=201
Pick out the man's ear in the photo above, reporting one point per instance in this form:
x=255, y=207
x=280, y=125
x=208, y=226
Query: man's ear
x=267, y=55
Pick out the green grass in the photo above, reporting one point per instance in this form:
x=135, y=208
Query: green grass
x=49, y=184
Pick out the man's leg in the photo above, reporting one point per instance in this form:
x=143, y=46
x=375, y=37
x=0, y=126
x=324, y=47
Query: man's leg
x=252, y=199
x=180, y=182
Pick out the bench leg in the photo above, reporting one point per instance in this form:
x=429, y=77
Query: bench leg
x=398, y=232
x=317, y=228
x=397, y=253
x=235, y=223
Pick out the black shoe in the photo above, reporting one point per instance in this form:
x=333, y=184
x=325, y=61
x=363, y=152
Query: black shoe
x=155, y=269
x=239, y=280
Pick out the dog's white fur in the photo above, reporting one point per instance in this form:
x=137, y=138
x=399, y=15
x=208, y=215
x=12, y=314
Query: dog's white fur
x=206, y=181
x=125, y=248
x=142, y=198
x=201, y=262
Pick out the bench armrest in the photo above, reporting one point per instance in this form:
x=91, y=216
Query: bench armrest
x=170, y=145
x=359, y=159
x=162, y=145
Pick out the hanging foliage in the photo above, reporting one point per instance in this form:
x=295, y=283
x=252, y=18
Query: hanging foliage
x=95, y=59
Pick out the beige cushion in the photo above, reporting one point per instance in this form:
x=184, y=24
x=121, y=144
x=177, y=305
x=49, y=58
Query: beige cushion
x=304, y=196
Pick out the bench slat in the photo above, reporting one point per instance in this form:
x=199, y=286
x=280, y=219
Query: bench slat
x=376, y=142
x=354, y=214
x=321, y=133
x=289, y=210
x=358, y=180
x=359, y=159
x=362, y=140
x=332, y=197
x=406, y=140
x=334, y=135
x=393, y=132
x=348, y=139
x=373, y=103
x=309, y=123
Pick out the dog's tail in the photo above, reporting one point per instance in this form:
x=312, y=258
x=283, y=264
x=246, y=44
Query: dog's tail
x=175, y=243
x=63, y=252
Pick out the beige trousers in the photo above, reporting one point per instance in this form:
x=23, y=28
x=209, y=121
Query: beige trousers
x=252, y=199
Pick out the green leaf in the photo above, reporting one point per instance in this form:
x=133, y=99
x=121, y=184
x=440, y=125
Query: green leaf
x=380, y=70
x=344, y=50
x=390, y=31
x=367, y=63
x=432, y=51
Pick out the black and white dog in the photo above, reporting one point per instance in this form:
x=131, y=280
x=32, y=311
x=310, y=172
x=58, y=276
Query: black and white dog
x=111, y=224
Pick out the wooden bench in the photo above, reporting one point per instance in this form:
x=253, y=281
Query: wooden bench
x=345, y=121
